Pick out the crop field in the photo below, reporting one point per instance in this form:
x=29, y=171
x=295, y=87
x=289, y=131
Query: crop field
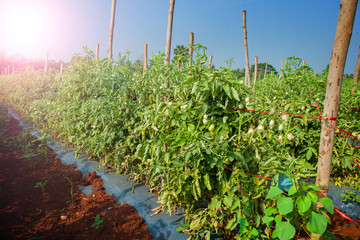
x=239, y=160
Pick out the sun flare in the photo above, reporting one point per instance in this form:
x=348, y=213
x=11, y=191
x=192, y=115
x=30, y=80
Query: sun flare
x=26, y=27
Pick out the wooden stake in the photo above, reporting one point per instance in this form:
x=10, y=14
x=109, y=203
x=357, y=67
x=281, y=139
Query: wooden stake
x=8, y=70
x=13, y=70
x=145, y=57
x=169, y=31
x=356, y=73
x=119, y=55
x=46, y=62
x=111, y=29
x=61, y=68
x=282, y=64
x=255, y=73
x=247, y=68
x=210, y=60
x=97, y=51
x=332, y=98
x=265, y=69
x=304, y=68
x=191, y=49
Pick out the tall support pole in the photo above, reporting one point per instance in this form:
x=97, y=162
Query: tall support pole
x=265, y=69
x=145, y=58
x=356, y=73
x=13, y=70
x=304, y=68
x=247, y=67
x=169, y=32
x=111, y=30
x=210, y=60
x=97, y=51
x=255, y=72
x=46, y=62
x=332, y=98
x=61, y=68
x=191, y=52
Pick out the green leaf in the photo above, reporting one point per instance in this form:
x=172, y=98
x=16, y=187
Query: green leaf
x=266, y=219
x=194, y=87
x=254, y=232
x=292, y=190
x=273, y=193
x=270, y=211
x=227, y=90
x=308, y=154
x=284, y=231
x=328, y=204
x=303, y=203
x=228, y=201
x=278, y=218
x=195, y=224
x=207, y=181
x=235, y=94
x=313, y=196
x=191, y=127
x=215, y=204
x=317, y=223
x=285, y=205
x=243, y=222
x=230, y=225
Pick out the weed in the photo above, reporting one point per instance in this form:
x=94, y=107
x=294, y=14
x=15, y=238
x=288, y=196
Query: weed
x=71, y=190
x=41, y=185
x=98, y=222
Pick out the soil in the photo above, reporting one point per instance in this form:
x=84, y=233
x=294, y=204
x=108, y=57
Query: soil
x=343, y=228
x=59, y=210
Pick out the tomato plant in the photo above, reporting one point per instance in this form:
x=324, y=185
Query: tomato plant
x=207, y=144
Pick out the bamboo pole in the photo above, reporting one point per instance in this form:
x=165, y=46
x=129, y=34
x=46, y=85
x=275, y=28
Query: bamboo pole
x=46, y=62
x=332, y=98
x=210, y=60
x=356, y=73
x=61, y=68
x=247, y=68
x=255, y=72
x=119, y=55
x=282, y=64
x=145, y=57
x=97, y=51
x=8, y=70
x=169, y=31
x=111, y=29
x=13, y=70
x=191, y=48
x=265, y=69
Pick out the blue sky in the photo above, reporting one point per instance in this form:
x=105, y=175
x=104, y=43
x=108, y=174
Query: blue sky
x=276, y=29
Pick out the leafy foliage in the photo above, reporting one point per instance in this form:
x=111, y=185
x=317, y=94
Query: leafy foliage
x=192, y=143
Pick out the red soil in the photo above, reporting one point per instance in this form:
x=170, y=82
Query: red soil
x=28, y=213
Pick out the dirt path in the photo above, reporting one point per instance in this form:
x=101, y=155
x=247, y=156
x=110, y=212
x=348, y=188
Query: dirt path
x=58, y=210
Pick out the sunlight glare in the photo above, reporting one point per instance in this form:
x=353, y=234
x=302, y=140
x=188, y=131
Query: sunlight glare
x=26, y=27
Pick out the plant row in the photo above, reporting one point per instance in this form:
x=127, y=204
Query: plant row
x=199, y=137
